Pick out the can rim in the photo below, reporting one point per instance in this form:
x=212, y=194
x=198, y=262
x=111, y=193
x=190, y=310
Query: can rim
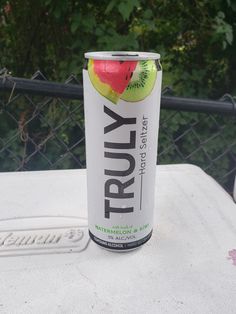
x=122, y=55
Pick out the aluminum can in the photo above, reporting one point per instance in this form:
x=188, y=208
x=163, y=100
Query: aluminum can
x=122, y=105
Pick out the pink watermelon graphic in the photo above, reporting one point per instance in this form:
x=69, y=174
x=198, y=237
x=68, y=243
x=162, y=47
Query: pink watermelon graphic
x=131, y=81
x=111, y=78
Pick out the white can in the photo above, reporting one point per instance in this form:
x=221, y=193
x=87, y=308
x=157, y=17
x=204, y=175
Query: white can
x=122, y=105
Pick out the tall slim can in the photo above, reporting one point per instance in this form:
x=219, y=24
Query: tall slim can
x=122, y=105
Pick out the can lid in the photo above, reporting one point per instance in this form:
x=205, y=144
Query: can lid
x=122, y=55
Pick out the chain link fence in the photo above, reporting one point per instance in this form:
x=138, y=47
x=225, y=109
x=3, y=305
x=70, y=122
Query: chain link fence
x=40, y=131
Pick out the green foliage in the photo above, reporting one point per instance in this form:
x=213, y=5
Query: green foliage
x=196, y=40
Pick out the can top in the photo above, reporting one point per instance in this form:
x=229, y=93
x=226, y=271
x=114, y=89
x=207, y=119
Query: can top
x=122, y=55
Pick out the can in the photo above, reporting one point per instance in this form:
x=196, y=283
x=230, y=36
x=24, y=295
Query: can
x=122, y=105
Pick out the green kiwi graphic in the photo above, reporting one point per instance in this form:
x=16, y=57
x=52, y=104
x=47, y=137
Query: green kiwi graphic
x=142, y=81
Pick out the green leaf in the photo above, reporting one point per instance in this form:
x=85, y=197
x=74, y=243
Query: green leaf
x=221, y=15
x=229, y=35
x=126, y=8
x=110, y=6
x=148, y=14
x=124, y=11
x=74, y=26
x=46, y=2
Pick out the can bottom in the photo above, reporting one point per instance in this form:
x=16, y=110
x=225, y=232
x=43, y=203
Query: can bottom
x=111, y=246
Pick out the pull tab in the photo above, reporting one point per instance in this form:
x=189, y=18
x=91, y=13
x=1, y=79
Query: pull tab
x=125, y=55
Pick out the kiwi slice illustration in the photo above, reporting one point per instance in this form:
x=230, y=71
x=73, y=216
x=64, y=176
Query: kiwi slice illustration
x=142, y=81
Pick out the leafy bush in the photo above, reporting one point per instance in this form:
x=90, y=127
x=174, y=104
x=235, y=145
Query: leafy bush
x=196, y=41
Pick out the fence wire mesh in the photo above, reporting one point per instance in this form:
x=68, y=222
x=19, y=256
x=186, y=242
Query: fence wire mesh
x=39, y=133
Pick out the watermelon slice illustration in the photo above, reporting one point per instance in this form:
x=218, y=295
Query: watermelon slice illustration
x=110, y=77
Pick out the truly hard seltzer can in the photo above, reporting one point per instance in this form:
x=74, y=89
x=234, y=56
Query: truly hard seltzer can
x=122, y=104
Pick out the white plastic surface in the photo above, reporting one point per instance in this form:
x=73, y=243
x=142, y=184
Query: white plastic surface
x=188, y=266
x=38, y=217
